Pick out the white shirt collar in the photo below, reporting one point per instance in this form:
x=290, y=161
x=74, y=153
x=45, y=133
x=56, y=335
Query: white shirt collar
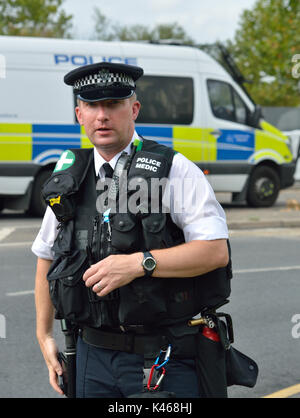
x=99, y=161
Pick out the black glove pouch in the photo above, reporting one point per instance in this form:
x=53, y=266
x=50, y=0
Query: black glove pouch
x=240, y=369
x=67, y=289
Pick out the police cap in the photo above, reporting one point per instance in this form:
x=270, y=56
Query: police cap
x=104, y=80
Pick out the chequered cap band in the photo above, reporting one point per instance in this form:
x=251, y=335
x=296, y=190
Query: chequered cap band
x=104, y=78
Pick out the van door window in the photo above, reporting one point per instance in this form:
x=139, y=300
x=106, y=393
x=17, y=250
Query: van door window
x=225, y=102
x=166, y=100
x=240, y=109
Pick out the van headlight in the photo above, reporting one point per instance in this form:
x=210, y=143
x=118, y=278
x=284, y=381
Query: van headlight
x=289, y=144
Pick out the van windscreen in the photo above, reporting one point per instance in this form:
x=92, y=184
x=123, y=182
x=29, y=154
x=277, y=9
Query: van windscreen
x=166, y=100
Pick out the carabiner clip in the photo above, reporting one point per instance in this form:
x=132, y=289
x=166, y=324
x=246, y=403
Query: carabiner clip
x=159, y=368
x=163, y=372
x=166, y=358
x=107, y=221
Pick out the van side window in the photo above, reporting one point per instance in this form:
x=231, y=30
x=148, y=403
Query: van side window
x=166, y=100
x=225, y=102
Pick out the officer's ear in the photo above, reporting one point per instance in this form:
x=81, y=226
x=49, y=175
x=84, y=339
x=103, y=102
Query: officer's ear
x=136, y=105
x=78, y=113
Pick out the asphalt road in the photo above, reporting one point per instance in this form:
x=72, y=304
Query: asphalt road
x=265, y=298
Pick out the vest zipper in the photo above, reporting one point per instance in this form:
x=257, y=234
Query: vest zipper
x=95, y=239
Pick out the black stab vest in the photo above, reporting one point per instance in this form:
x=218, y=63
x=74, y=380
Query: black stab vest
x=84, y=238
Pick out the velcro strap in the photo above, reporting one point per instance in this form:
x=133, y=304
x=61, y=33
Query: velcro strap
x=148, y=345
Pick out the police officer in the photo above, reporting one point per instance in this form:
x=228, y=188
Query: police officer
x=130, y=283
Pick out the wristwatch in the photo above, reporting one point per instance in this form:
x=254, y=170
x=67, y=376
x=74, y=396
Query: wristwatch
x=149, y=263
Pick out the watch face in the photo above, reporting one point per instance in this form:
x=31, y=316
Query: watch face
x=149, y=263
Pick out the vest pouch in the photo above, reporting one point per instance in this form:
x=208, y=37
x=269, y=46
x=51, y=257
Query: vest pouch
x=64, y=238
x=58, y=190
x=125, y=232
x=153, y=231
x=212, y=288
x=57, y=193
x=181, y=298
x=142, y=302
x=67, y=289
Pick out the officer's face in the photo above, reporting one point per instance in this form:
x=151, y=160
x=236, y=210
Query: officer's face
x=109, y=124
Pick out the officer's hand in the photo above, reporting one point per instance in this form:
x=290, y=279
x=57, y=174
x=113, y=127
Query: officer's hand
x=50, y=351
x=113, y=272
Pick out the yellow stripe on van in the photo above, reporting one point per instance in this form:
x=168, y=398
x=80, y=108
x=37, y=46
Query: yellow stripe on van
x=195, y=143
x=270, y=143
x=84, y=141
x=15, y=142
x=266, y=126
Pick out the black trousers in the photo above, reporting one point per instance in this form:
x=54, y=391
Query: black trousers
x=103, y=373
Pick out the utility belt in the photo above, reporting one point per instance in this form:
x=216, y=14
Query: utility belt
x=217, y=363
x=129, y=341
x=140, y=339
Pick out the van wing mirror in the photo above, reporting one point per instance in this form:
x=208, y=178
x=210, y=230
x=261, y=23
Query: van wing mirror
x=255, y=116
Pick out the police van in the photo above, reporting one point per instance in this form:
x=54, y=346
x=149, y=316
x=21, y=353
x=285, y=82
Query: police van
x=189, y=102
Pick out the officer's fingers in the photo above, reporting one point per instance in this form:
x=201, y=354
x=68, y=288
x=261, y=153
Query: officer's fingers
x=91, y=281
x=90, y=272
x=104, y=287
x=53, y=379
x=54, y=364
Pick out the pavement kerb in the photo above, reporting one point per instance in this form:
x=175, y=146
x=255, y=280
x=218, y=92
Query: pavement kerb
x=263, y=224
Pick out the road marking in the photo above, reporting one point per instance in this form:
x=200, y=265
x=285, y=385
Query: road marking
x=4, y=232
x=16, y=244
x=285, y=393
x=264, y=269
x=21, y=293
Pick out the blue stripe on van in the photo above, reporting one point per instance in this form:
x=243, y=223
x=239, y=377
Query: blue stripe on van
x=159, y=131
x=45, y=147
x=235, y=145
x=53, y=129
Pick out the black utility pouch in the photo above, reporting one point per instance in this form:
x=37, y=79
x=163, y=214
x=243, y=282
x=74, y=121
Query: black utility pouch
x=142, y=302
x=67, y=289
x=153, y=230
x=60, y=189
x=125, y=232
x=58, y=193
x=210, y=367
x=240, y=369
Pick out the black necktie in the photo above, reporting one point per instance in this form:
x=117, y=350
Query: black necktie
x=108, y=170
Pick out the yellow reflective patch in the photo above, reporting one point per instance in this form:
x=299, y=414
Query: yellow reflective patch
x=272, y=145
x=195, y=143
x=55, y=201
x=266, y=126
x=16, y=128
x=15, y=142
x=84, y=140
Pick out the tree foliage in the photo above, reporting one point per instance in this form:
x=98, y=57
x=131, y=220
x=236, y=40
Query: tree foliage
x=34, y=18
x=107, y=30
x=263, y=47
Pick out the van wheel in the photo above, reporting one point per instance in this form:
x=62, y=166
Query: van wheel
x=37, y=204
x=263, y=187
